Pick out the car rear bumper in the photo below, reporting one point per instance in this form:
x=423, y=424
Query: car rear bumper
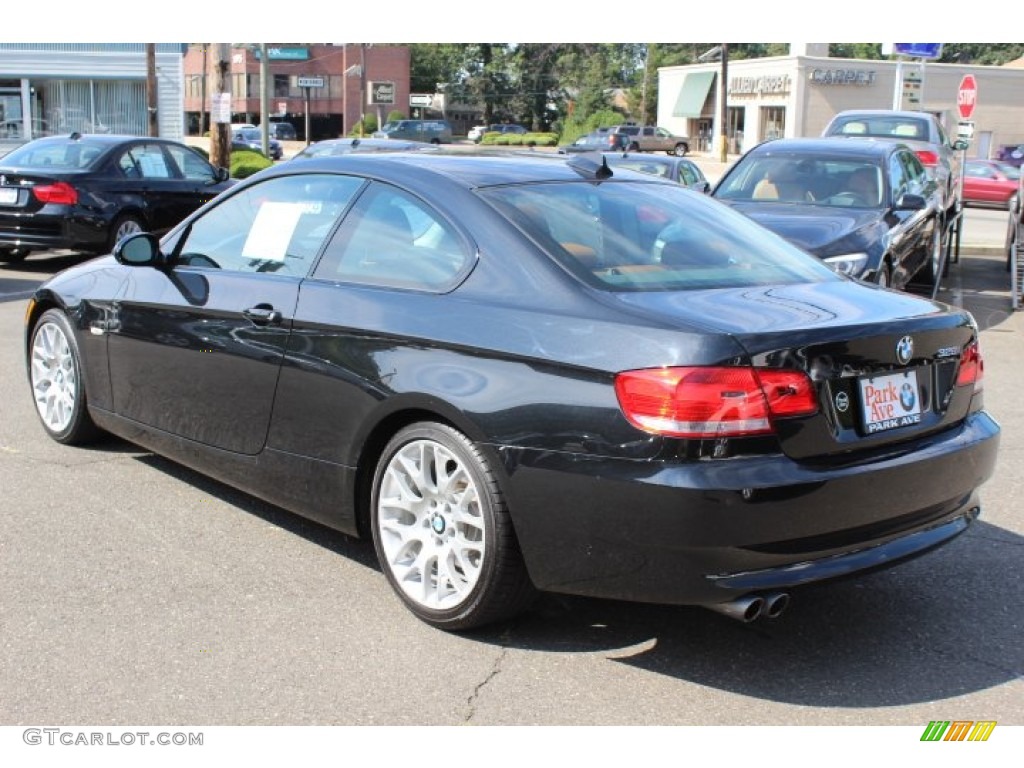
x=44, y=230
x=706, y=532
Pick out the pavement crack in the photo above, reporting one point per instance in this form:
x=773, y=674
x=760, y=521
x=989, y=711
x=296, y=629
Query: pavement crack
x=478, y=689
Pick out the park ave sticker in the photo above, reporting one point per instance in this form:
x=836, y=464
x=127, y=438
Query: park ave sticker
x=890, y=401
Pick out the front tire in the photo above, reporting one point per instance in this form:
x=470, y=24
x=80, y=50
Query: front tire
x=680, y=150
x=936, y=249
x=442, y=531
x=58, y=387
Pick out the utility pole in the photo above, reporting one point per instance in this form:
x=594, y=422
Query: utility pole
x=151, y=90
x=220, y=131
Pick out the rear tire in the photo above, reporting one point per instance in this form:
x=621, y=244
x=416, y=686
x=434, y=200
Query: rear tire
x=680, y=150
x=58, y=387
x=123, y=226
x=13, y=255
x=442, y=530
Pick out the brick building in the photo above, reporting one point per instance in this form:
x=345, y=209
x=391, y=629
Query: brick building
x=347, y=70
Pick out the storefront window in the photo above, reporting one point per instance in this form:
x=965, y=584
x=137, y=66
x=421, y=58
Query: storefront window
x=773, y=123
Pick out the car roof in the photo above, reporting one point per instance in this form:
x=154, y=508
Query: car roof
x=899, y=113
x=465, y=169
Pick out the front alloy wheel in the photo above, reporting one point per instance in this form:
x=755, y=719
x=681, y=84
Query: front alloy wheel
x=442, y=531
x=55, y=373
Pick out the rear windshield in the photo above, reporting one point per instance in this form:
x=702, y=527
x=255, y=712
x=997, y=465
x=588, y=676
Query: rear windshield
x=54, y=155
x=635, y=236
x=884, y=126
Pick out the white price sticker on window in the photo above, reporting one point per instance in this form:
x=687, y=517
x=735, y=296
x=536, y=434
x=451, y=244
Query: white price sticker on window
x=272, y=231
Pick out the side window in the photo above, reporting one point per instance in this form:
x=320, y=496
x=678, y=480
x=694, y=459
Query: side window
x=648, y=131
x=150, y=161
x=191, y=165
x=393, y=239
x=686, y=174
x=916, y=176
x=898, y=178
x=276, y=226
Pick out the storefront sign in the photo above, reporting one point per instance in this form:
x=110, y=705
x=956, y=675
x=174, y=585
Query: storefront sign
x=759, y=86
x=381, y=92
x=843, y=76
x=284, y=54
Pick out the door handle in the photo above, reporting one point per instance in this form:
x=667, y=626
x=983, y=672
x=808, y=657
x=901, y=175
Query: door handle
x=263, y=314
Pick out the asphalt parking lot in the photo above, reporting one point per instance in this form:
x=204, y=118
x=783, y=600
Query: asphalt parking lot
x=138, y=591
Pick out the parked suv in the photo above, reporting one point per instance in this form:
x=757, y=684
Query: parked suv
x=921, y=131
x=650, y=138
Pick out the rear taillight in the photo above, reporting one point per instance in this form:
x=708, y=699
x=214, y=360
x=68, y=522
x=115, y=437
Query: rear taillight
x=59, y=192
x=712, y=402
x=972, y=367
x=928, y=158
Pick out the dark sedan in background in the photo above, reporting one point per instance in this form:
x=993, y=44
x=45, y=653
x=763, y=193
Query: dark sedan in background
x=514, y=373
x=86, y=192
x=252, y=138
x=867, y=208
x=597, y=142
x=677, y=169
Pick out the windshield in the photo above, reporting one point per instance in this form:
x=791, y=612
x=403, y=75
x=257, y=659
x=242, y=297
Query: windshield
x=839, y=182
x=636, y=236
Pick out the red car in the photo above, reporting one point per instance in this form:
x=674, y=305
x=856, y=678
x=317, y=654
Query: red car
x=990, y=183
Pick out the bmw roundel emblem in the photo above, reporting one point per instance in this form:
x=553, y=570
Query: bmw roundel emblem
x=842, y=402
x=905, y=350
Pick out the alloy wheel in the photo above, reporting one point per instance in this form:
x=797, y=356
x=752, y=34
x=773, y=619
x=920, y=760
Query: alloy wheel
x=431, y=527
x=54, y=377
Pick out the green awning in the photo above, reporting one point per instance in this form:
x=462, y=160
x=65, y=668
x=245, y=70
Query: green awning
x=693, y=94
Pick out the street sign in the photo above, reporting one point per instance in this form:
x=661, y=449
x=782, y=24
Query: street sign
x=310, y=82
x=380, y=92
x=918, y=50
x=967, y=97
x=420, y=99
x=965, y=130
x=220, y=107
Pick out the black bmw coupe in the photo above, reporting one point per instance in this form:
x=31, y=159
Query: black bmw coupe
x=528, y=373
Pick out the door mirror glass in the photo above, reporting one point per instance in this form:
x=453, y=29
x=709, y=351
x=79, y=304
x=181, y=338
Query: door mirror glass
x=139, y=250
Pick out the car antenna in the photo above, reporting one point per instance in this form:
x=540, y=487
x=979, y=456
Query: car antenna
x=355, y=143
x=588, y=167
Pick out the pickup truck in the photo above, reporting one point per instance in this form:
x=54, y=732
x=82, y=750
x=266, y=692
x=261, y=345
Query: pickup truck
x=650, y=138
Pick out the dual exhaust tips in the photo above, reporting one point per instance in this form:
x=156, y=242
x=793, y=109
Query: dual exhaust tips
x=752, y=607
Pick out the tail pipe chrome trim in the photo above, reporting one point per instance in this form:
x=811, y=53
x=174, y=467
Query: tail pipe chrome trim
x=774, y=604
x=745, y=609
x=752, y=607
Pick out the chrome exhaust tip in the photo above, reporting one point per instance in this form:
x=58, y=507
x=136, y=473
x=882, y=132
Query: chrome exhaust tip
x=774, y=604
x=745, y=609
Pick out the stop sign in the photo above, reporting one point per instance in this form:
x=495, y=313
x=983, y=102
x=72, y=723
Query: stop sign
x=967, y=97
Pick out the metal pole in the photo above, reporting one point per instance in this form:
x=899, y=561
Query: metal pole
x=264, y=82
x=897, y=89
x=723, y=107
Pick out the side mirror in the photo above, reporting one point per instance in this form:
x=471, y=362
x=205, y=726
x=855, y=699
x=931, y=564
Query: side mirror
x=220, y=174
x=139, y=250
x=911, y=202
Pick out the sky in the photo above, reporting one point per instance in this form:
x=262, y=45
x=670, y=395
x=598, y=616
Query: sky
x=517, y=20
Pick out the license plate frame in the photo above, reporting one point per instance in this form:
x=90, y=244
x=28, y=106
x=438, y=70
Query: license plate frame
x=889, y=401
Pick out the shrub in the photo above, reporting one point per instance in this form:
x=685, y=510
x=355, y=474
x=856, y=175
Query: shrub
x=364, y=127
x=395, y=114
x=246, y=162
